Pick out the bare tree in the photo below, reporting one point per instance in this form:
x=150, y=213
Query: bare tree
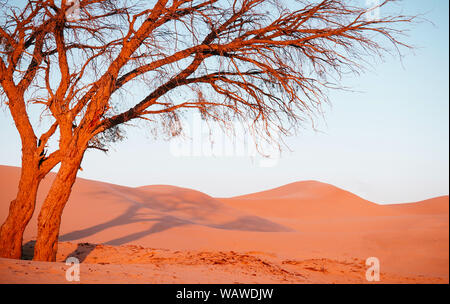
x=93, y=67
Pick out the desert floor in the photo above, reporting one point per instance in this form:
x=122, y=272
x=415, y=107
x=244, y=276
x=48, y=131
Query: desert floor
x=305, y=232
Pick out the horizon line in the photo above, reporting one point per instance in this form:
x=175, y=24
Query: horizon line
x=246, y=194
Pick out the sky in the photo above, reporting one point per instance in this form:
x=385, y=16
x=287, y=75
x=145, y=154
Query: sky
x=386, y=141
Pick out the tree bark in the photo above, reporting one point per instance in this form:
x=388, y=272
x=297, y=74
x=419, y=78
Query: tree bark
x=49, y=219
x=21, y=209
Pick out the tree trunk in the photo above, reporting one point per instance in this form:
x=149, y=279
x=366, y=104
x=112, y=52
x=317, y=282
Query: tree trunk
x=49, y=219
x=21, y=209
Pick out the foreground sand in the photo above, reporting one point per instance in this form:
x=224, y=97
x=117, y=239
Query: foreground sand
x=136, y=264
x=306, y=232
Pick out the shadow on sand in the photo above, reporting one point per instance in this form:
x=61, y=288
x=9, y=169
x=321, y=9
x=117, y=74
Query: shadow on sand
x=171, y=207
x=81, y=252
x=28, y=250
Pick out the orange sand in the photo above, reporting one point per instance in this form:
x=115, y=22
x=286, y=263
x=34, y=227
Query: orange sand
x=305, y=232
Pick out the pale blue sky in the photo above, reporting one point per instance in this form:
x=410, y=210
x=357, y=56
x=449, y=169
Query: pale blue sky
x=388, y=142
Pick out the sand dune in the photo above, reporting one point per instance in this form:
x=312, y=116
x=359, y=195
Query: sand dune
x=287, y=227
